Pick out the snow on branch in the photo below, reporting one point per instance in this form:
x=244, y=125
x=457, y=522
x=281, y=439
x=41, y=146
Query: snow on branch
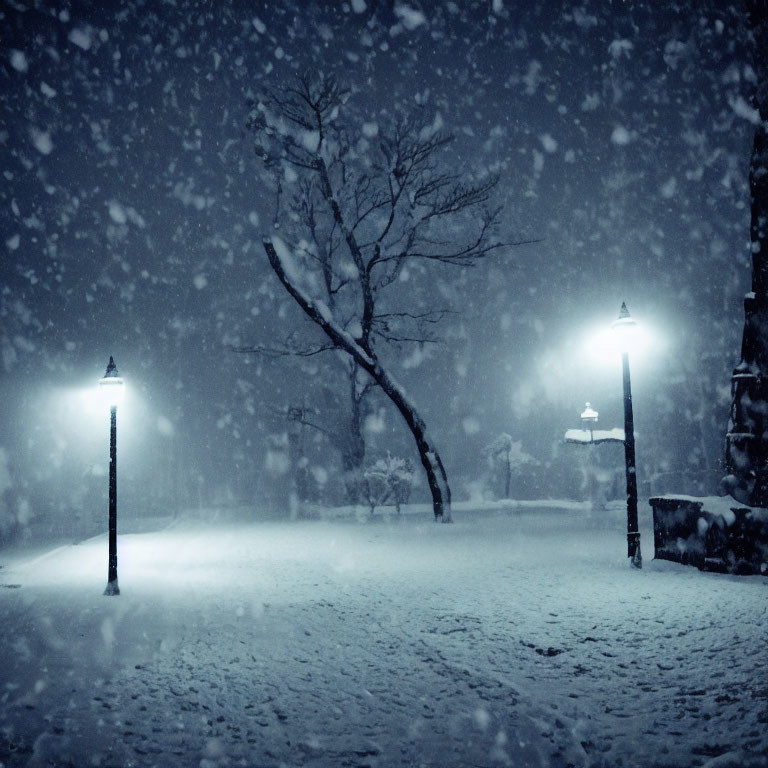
x=280, y=260
x=286, y=350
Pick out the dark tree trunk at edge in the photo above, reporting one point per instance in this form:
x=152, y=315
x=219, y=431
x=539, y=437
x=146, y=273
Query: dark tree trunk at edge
x=746, y=455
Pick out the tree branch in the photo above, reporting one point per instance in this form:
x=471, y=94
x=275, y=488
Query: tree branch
x=285, y=351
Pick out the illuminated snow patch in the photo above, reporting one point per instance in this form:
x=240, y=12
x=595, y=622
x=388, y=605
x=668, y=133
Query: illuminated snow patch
x=81, y=37
x=470, y=425
x=19, y=61
x=117, y=213
x=165, y=426
x=42, y=141
x=410, y=17
x=549, y=143
x=621, y=136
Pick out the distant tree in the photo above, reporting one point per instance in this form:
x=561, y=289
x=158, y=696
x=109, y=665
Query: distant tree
x=338, y=410
x=370, y=208
x=506, y=454
x=340, y=418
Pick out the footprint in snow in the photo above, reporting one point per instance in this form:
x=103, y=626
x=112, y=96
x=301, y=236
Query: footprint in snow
x=550, y=651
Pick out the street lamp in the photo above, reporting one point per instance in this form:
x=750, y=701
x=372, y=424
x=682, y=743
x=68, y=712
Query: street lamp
x=588, y=420
x=625, y=331
x=112, y=388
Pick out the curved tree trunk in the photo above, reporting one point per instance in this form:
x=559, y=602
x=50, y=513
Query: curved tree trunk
x=322, y=316
x=430, y=458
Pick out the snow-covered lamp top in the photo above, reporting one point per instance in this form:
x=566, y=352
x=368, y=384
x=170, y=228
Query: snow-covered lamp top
x=112, y=387
x=589, y=415
x=625, y=329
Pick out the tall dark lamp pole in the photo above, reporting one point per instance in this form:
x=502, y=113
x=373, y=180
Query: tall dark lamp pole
x=112, y=387
x=624, y=327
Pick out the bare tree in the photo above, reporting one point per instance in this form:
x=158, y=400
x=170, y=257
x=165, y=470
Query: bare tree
x=360, y=208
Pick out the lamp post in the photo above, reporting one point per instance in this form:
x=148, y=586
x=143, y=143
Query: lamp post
x=624, y=327
x=112, y=388
x=588, y=420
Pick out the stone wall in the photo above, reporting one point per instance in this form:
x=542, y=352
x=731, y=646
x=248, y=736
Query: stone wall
x=712, y=533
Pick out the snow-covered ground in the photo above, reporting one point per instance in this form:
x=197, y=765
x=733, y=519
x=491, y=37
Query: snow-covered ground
x=515, y=637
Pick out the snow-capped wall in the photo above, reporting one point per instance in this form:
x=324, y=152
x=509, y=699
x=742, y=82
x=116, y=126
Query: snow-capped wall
x=713, y=533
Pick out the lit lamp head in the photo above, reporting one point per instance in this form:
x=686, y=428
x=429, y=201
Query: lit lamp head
x=112, y=387
x=625, y=330
x=589, y=417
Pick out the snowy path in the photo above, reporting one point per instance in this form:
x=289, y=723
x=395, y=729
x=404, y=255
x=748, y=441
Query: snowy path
x=517, y=640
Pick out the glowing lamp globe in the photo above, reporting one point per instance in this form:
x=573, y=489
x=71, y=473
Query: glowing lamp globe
x=589, y=416
x=112, y=387
x=625, y=331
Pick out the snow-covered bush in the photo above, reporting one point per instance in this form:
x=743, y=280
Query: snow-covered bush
x=389, y=481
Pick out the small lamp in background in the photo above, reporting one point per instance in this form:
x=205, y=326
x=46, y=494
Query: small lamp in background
x=589, y=419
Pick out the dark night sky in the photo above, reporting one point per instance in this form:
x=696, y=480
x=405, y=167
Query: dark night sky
x=133, y=210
